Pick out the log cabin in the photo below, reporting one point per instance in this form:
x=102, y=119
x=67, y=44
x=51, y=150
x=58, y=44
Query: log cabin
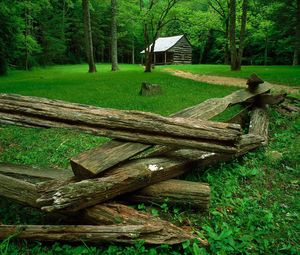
x=172, y=50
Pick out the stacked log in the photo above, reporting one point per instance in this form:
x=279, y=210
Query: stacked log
x=138, y=167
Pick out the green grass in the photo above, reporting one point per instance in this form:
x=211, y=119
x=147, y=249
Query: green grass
x=286, y=75
x=254, y=207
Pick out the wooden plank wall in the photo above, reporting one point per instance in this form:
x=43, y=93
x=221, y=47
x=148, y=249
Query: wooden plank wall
x=182, y=52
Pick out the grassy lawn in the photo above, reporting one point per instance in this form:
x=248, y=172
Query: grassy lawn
x=254, y=207
x=286, y=75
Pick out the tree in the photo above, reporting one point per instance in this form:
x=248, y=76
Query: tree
x=114, y=36
x=88, y=36
x=296, y=59
x=155, y=17
x=237, y=52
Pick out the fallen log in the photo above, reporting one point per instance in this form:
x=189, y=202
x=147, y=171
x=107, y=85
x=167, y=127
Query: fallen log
x=69, y=195
x=18, y=190
x=259, y=124
x=126, y=125
x=104, y=214
x=111, y=153
x=150, y=234
x=174, y=192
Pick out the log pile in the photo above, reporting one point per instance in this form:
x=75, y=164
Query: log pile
x=138, y=167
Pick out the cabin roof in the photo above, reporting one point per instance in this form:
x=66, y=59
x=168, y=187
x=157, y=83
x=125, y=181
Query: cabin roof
x=165, y=43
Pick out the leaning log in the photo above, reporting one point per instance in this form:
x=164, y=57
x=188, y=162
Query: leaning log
x=113, y=152
x=174, y=192
x=18, y=190
x=259, y=124
x=126, y=125
x=69, y=195
x=150, y=234
x=104, y=214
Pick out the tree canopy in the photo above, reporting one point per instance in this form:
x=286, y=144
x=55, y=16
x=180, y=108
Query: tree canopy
x=45, y=32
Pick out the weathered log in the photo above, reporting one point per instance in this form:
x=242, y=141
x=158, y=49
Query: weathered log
x=253, y=82
x=127, y=125
x=69, y=195
x=104, y=214
x=148, y=89
x=269, y=99
x=174, y=192
x=21, y=191
x=259, y=124
x=114, y=152
x=34, y=174
x=150, y=234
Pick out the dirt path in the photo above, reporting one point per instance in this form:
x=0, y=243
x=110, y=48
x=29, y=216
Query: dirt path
x=226, y=81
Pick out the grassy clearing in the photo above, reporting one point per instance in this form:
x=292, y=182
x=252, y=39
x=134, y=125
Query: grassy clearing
x=254, y=207
x=286, y=75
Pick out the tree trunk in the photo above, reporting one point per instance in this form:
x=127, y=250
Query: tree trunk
x=237, y=54
x=127, y=125
x=114, y=36
x=297, y=38
x=259, y=124
x=174, y=192
x=150, y=234
x=226, y=46
x=266, y=50
x=133, y=52
x=242, y=33
x=88, y=36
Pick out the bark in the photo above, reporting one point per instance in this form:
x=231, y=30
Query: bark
x=297, y=38
x=174, y=192
x=70, y=196
x=259, y=124
x=232, y=36
x=114, y=152
x=127, y=125
x=18, y=190
x=150, y=234
x=88, y=36
x=114, y=36
x=237, y=53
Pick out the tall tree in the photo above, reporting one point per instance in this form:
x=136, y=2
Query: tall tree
x=296, y=59
x=155, y=17
x=114, y=36
x=88, y=36
x=237, y=52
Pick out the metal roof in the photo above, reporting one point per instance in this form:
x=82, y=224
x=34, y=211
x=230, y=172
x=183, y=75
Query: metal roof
x=165, y=43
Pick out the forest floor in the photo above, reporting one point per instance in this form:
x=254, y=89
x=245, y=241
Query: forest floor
x=226, y=81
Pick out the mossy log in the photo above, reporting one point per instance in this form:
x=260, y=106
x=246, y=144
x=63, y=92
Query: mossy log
x=126, y=125
x=259, y=124
x=150, y=234
x=99, y=159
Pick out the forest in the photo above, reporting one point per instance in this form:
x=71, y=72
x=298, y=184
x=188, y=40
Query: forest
x=46, y=32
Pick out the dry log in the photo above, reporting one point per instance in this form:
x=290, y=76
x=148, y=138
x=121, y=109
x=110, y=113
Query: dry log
x=69, y=195
x=150, y=234
x=175, y=192
x=182, y=192
x=18, y=190
x=34, y=174
x=259, y=124
x=268, y=99
x=127, y=125
x=253, y=82
x=104, y=214
x=114, y=152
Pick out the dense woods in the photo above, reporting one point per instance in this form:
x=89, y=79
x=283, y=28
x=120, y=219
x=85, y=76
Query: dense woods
x=45, y=32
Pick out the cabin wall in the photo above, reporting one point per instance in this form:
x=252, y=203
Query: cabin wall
x=182, y=52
